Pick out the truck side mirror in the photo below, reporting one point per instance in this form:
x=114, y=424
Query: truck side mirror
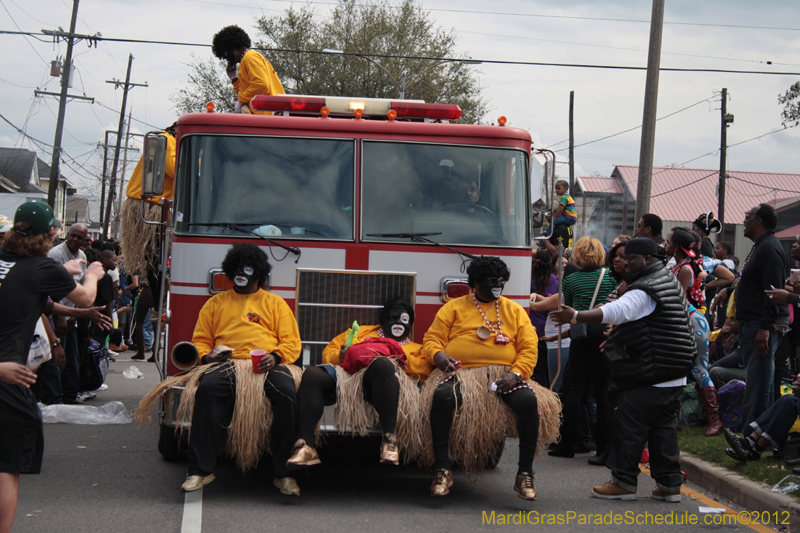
x=154, y=161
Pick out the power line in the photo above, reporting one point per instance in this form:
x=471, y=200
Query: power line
x=620, y=48
x=637, y=127
x=729, y=176
x=452, y=59
x=516, y=14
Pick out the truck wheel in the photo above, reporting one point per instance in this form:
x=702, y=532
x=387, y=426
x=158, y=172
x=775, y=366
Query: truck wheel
x=172, y=446
x=494, y=460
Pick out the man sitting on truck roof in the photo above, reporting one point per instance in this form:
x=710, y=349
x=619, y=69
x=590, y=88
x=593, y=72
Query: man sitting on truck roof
x=255, y=75
x=245, y=318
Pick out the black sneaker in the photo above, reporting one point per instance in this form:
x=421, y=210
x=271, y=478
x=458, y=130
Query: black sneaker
x=740, y=449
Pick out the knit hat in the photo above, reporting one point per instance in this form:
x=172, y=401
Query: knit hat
x=38, y=214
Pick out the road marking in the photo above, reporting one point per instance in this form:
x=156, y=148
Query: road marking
x=192, y=512
x=711, y=503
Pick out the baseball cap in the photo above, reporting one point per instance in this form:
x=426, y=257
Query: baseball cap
x=684, y=241
x=642, y=246
x=38, y=214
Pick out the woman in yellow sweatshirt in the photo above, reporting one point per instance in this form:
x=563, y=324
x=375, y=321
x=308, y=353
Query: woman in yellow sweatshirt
x=483, y=329
x=380, y=383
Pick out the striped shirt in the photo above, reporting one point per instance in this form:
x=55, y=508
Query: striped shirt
x=569, y=206
x=579, y=288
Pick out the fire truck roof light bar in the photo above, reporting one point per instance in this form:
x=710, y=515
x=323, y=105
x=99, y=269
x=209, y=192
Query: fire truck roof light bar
x=418, y=110
x=370, y=107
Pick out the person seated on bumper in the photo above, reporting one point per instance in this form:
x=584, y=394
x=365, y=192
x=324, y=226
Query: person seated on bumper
x=473, y=332
x=381, y=384
x=244, y=318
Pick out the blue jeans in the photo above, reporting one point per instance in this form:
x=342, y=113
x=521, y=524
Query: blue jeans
x=759, y=371
x=564, y=219
x=774, y=424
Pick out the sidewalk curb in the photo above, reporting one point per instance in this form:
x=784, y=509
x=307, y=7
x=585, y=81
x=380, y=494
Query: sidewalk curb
x=745, y=492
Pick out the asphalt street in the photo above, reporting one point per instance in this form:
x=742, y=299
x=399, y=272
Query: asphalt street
x=112, y=478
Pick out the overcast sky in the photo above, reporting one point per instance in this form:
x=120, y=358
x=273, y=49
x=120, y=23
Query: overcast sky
x=698, y=35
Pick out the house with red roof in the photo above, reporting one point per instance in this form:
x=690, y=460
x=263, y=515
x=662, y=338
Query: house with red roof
x=606, y=205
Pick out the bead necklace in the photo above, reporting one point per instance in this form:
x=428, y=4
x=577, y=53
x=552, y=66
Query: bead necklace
x=401, y=343
x=485, y=332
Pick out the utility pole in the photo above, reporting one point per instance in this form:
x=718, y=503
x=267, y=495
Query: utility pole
x=105, y=146
x=62, y=108
x=113, y=183
x=122, y=176
x=105, y=176
x=650, y=106
x=725, y=119
x=571, y=144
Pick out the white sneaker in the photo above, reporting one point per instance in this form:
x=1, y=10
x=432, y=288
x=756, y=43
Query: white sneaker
x=112, y=353
x=86, y=395
x=102, y=387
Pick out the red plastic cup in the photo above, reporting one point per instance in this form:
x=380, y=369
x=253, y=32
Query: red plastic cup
x=256, y=356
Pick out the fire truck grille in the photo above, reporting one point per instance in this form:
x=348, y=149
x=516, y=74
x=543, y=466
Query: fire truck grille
x=329, y=301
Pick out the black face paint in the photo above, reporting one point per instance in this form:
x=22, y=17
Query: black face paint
x=490, y=289
x=243, y=277
x=398, y=324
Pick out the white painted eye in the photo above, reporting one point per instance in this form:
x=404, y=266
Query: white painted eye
x=248, y=270
x=404, y=318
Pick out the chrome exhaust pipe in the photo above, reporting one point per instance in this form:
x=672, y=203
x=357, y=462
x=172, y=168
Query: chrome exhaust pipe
x=184, y=356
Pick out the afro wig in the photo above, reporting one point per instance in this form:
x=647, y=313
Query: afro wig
x=227, y=39
x=484, y=267
x=397, y=302
x=249, y=255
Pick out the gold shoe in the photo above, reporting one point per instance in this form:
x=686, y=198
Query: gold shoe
x=523, y=486
x=389, y=453
x=194, y=483
x=442, y=481
x=303, y=455
x=287, y=486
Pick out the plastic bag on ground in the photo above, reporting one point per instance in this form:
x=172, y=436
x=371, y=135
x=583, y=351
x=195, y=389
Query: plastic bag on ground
x=787, y=484
x=132, y=373
x=110, y=413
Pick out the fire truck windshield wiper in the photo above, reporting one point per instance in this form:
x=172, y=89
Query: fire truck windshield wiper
x=237, y=227
x=421, y=237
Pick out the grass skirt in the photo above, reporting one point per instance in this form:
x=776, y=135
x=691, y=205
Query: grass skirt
x=355, y=416
x=248, y=434
x=140, y=243
x=482, y=421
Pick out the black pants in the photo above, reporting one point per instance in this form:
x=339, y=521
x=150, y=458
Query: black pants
x=587, y=369
x=646, y=415
x=143, y=304
x=522, y=401
x=213, y=410
x=381, y=389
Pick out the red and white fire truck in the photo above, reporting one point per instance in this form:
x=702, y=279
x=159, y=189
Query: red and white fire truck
x=355, y=200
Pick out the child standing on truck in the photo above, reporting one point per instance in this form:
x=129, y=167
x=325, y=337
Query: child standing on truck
x=565, y=210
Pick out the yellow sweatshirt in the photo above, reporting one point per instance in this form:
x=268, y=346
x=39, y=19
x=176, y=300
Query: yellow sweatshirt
x=416, y=366
x=134, y=189
x=256, y=76
x=248, y=322
x=454, y=331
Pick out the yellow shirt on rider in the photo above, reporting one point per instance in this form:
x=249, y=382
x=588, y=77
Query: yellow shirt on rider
x=416, y=366
x=134, y=189
x=455, y=332
x=256, y=76
x=245, y=322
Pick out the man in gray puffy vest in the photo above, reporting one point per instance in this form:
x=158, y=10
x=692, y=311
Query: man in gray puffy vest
x=650, y=351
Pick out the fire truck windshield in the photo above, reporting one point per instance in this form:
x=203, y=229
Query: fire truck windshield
x=273, y=186
x=463, y=194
